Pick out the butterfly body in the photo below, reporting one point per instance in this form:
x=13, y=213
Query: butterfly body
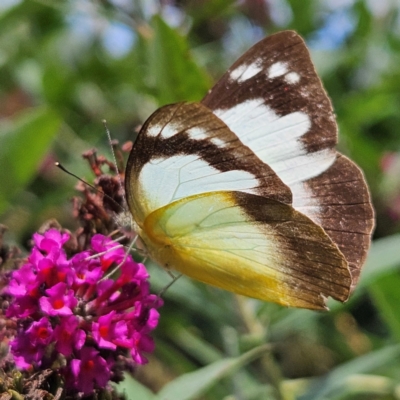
x=245, y=190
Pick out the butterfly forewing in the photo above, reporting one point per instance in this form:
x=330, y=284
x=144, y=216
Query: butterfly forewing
x=184, y=149
x=274, y=101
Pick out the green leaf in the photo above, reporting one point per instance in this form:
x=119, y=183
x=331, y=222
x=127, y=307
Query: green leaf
x=201, y=13
x=383, y=258
x=23, y=143
x=386, y=295
x=194, y=384
x=175, y=75
x=324, y=387
x=367, y=385
x=304, y=15
x=133, y=389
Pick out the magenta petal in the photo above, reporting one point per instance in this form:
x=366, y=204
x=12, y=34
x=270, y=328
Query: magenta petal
x=79, y=339
x=37, y=239
x=75, y=366
x=24, y=353
x=22, y=307
x=152, y=320
x=20, y=362
x=40, y=332
x=22, y=282
x=90, y=371
x=48, y=245
x=56, y=236
x=60, y=301
x=48, y=308
x=35, y=256
x=120, y=329
x=142, y=273
x=67, y=337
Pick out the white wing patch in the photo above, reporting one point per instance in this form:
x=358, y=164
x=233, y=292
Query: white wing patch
x=169, y=130
x=197, y=133
x=292, y=78
x=244, y=72
x=166, y=131
x=164, y=180
x=305, y=201
x=277, y=141
x=271, y=137
x=304, y=166
x=218, y=142
x=154, y=130
x=277, y=69
x=281, y=68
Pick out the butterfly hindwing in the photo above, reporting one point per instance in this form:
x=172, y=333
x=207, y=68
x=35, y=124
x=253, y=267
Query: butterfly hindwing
x=250, y=245
x=274, y=101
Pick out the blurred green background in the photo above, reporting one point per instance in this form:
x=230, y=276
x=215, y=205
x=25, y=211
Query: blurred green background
x=66, y=65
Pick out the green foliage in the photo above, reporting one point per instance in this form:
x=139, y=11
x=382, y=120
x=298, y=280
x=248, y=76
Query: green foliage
x=23, y=144
x=194, y=384
x=132, y=389
x=166, y=60
x=59, y=78
x=336, y=381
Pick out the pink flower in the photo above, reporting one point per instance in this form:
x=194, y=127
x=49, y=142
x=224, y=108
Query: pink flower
x=40, y=332
x=100, y=244
x=30, y=347
x=89, y=371
x=60, y=301
x=24, y=282
x=64, y=307
x=51, y=240
x=107, y=331
x=67, y=335
x=24, y=353
x=142, y=343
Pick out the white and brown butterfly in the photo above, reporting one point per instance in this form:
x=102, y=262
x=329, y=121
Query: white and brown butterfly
x=245, y=190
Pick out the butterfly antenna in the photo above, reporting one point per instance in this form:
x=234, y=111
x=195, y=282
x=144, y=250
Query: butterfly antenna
x=110, y=141
x=123, y=260
x=165, y=288
x=58, y=165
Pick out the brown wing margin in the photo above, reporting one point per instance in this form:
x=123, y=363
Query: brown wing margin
x=344, y=210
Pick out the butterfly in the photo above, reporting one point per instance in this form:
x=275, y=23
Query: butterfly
x=245, y=190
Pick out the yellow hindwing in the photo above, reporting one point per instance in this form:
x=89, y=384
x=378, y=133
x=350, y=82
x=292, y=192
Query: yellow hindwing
x=249, y=245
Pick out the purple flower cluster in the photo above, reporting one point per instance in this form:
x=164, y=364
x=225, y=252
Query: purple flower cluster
x=72, y=317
